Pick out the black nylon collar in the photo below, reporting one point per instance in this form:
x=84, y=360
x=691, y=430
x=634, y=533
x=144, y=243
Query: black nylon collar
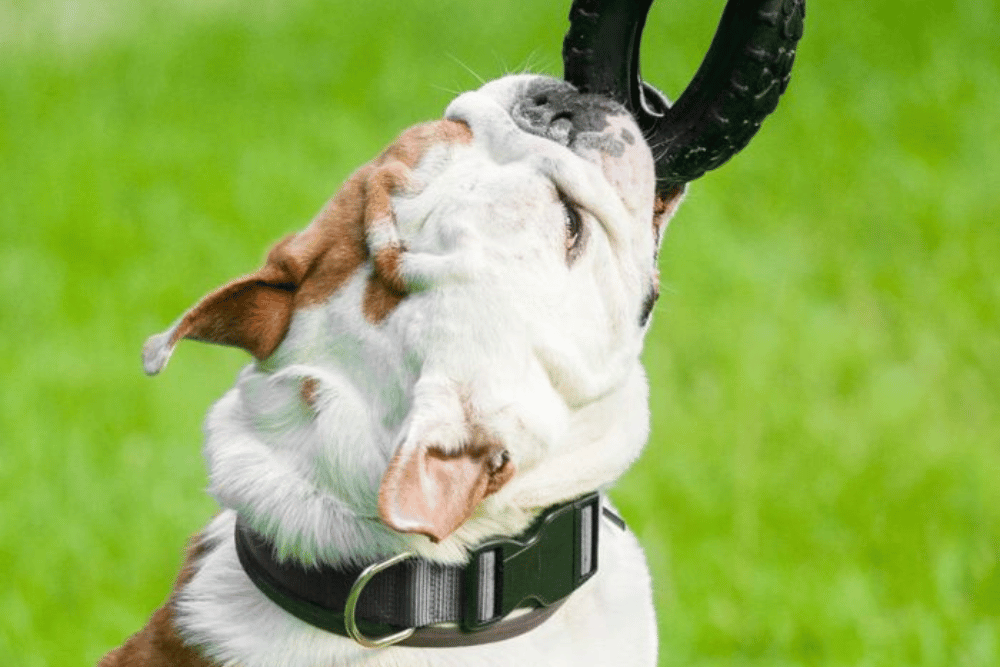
x=536, y=570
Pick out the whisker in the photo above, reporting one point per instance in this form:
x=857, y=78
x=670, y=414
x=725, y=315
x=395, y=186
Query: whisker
x=468, y=69
x=444, y=89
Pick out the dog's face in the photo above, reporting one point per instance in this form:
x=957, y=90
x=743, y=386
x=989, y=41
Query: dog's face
x=453, y=343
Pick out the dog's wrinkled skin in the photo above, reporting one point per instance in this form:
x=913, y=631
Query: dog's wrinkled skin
x=450, y=347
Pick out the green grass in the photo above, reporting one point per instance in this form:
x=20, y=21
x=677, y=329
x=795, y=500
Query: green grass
x=822, y=484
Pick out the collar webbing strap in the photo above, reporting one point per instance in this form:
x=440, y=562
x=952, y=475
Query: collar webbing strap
x=536, y=570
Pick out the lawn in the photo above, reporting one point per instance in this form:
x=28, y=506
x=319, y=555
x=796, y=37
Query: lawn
x=822, y=482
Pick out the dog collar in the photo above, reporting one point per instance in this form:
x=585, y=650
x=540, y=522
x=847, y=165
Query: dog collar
x=405, y=599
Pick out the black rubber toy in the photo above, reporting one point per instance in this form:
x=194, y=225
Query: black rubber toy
x=738, y=84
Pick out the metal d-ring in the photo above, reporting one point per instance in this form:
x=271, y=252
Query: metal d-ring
x=352, y=601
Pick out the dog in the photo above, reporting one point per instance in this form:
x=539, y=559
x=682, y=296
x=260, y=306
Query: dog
x=446, y=379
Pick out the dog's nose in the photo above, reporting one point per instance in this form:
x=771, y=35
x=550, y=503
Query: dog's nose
x=549, y=109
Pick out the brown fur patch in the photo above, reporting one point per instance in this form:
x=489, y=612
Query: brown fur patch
x=308, y=391
x=380, y=300
x=386, y=181
x=333, y=246
x=414, y=142
x=663, y=208
x=158, y=644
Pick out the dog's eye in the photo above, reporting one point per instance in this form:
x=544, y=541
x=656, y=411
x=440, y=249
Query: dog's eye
x=574, y=228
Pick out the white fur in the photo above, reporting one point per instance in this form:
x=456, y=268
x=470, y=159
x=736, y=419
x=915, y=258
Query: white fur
x=546, y=355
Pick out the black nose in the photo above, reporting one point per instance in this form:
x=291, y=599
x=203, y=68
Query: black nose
x=553, y=109
x=547, y=109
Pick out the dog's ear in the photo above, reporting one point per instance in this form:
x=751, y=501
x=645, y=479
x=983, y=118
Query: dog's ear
x=430, y=491
x=251, y=312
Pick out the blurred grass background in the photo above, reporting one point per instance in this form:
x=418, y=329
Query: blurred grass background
x=821, y=484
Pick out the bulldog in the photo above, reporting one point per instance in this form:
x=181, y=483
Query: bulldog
x=446, y=376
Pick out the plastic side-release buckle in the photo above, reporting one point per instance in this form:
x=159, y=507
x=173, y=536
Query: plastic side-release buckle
x=543, y=565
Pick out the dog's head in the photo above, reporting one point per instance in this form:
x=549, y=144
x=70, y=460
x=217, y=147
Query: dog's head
x=453, y=342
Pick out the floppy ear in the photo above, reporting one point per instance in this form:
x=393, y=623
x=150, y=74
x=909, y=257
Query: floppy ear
x=251, y=312
x=430, y=491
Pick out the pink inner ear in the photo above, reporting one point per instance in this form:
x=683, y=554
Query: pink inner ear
x=431, y=492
